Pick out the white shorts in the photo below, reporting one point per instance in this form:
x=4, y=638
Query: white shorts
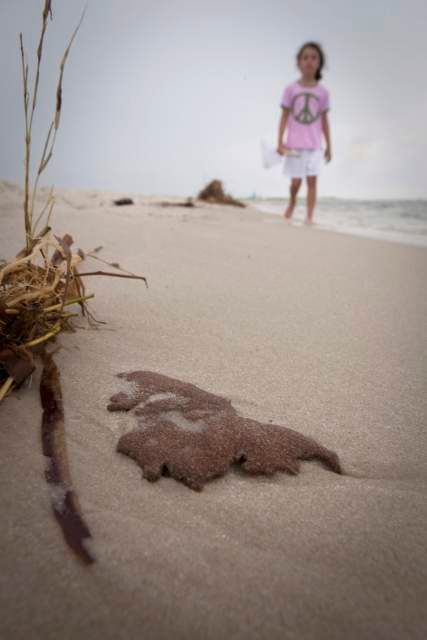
x=308, y=163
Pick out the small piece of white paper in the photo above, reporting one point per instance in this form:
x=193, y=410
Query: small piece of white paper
x=270, y=157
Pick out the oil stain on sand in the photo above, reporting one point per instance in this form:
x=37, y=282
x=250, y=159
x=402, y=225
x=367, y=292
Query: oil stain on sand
x=194, y=436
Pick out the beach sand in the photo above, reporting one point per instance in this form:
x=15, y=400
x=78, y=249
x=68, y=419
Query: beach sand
x=320, y=332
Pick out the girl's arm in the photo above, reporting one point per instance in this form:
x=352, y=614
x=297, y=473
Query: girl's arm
x=281, y=148
x=327, y=134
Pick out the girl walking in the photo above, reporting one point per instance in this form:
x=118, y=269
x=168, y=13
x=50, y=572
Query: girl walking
x=305, y=105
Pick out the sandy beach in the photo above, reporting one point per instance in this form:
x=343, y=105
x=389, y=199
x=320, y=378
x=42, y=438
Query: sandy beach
x=320, y=332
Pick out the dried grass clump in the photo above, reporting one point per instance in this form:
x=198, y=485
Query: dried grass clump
x=39, y=286
x=37, y=289
x=214, y=193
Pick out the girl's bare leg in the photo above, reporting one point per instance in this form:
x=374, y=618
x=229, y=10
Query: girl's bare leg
x=294, y=188
x=311, y=197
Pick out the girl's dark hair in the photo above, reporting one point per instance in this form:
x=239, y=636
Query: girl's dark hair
x=314, y=45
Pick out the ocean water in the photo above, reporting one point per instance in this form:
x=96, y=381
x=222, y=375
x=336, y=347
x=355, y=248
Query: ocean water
x=403, y=221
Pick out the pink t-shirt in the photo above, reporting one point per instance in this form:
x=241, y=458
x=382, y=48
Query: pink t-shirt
x=305, y=105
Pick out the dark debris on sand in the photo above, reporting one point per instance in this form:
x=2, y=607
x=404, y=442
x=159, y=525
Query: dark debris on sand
x=214, y=193
x=194, y=436
x=120, y=202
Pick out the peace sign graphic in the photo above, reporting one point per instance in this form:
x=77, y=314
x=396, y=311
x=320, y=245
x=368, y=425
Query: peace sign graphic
x=305, y=108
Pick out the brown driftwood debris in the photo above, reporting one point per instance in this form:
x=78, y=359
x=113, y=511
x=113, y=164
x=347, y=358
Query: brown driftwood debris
x=120, y=202
x=214, y=193
x=189, y=204
x=194, y=436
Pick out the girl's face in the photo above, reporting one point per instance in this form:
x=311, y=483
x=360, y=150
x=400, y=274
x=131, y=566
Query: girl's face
x=309, y=62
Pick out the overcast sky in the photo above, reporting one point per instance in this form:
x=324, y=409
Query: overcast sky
x=161, y=96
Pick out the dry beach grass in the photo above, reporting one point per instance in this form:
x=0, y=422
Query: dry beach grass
x=36, y=290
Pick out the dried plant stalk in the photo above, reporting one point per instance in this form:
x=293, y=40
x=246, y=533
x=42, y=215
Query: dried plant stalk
x=65, y=504
x=6, y=387
x=54, y=125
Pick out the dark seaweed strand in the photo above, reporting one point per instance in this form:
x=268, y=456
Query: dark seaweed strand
x=67, y=513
